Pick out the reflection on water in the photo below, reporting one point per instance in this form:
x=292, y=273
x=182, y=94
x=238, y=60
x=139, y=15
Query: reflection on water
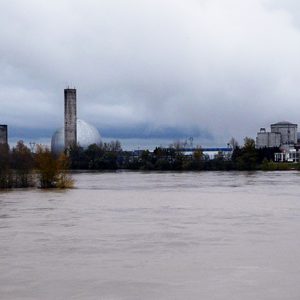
x=210, y=235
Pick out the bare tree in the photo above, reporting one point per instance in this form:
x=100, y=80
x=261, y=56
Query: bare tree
x=233, y=143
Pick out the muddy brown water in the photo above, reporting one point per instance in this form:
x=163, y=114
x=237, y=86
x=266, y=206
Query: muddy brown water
x=126, y=235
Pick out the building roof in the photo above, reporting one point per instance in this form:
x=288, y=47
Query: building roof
x=284, y=123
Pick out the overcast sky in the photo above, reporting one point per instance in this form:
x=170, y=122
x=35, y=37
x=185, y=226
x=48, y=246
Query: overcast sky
x=200, y=67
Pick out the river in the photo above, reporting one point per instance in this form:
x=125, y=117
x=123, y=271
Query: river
x=135, y=235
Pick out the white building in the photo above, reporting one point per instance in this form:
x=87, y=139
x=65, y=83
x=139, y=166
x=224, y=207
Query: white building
x=268, y=139
x=282, y=133
x=288, y=132
x=288, y=156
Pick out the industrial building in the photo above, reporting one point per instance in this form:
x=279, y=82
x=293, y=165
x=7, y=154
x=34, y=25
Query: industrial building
x=3, y=134
x=70, y=118
x=75, y=131
x=268, y=139
x=282, y=133
x=292, y=155
x=288, y=132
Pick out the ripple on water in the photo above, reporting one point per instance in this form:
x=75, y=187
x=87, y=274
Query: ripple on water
x=126, y=235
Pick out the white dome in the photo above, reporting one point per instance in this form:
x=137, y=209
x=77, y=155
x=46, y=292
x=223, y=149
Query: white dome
x=87, y=134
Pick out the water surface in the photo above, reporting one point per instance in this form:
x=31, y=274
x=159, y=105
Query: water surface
x=125, y=235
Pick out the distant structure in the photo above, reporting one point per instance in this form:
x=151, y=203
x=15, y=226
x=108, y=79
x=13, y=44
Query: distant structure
x=288, y=132
x=87, y=134
x=75, y=131
x=282, y=134
x=267, y=139
x=70, y=118
x=3, y=134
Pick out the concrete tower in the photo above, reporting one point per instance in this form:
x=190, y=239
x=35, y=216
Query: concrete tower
x=3, y=134
x=70, y=118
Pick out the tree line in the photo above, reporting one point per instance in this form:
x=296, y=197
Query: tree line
x=20, y=168
x=110, y=156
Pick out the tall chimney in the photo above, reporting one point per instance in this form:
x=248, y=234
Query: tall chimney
x=3, y=134
x=70, y=118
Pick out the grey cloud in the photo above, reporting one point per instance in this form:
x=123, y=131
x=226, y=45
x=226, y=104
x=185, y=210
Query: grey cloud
x=224, y=67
